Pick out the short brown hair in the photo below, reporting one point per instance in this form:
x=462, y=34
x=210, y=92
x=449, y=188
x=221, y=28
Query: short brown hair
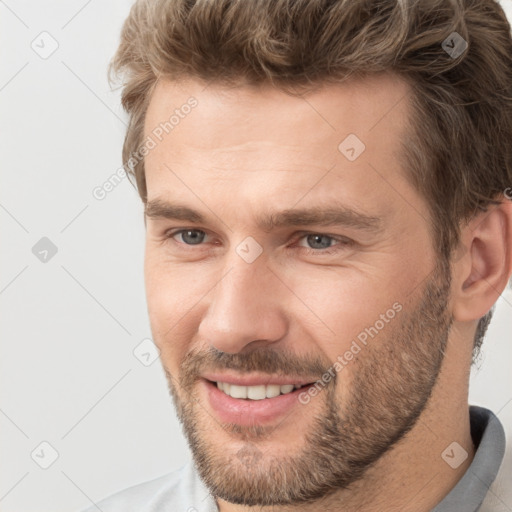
x=458, y=153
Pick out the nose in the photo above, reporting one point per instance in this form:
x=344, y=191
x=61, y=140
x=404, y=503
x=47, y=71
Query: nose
x=244, y=309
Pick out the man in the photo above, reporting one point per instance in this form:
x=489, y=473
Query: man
x=326, y=188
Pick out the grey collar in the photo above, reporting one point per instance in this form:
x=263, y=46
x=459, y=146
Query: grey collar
x=489, y=439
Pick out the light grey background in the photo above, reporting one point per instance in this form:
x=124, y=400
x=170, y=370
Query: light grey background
x=69, y=325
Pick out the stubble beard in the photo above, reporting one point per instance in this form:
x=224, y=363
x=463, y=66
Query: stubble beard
x=390, y=387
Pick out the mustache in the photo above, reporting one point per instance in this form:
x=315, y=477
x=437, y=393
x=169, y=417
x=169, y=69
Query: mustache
x=266, y=360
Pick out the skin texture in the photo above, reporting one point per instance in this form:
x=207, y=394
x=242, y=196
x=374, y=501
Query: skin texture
x=373, y=438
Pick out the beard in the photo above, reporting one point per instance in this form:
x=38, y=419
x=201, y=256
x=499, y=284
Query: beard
x=390, y=385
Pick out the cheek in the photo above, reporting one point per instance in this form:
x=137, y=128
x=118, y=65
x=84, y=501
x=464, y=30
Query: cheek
x=338, y=308
x=173, y=294
x=169, y=317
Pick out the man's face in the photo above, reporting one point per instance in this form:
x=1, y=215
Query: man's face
x=280, y=252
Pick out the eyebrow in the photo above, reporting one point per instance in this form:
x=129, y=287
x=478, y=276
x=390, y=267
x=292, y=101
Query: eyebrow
x=317, y=216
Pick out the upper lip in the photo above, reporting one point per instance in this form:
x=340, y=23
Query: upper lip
x=256, y=379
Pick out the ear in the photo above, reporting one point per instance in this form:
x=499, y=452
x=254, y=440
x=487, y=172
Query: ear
x=483, y=272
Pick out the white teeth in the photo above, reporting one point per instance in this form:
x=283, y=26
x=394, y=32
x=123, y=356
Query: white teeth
x=286, y=388
x=273, y=390
x=238, y=391
x=256, y=392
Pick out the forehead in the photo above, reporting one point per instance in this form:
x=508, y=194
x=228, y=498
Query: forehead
x=242, y=136
x=373, y=108
x=374, y=95
x=361, y=104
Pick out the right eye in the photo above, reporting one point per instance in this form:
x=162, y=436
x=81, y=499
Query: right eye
x=188, y=236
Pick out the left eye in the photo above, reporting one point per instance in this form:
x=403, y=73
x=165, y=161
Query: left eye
x=318, y=241
x=191, y=236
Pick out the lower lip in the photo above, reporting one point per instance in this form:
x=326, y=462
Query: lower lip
x=247, y=412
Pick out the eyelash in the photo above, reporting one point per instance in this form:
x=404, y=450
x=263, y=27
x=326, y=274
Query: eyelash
x=341, y=241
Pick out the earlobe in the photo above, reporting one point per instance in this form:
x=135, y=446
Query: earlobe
x=484, y=271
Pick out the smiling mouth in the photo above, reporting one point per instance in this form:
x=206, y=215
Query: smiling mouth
x=259, y=392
